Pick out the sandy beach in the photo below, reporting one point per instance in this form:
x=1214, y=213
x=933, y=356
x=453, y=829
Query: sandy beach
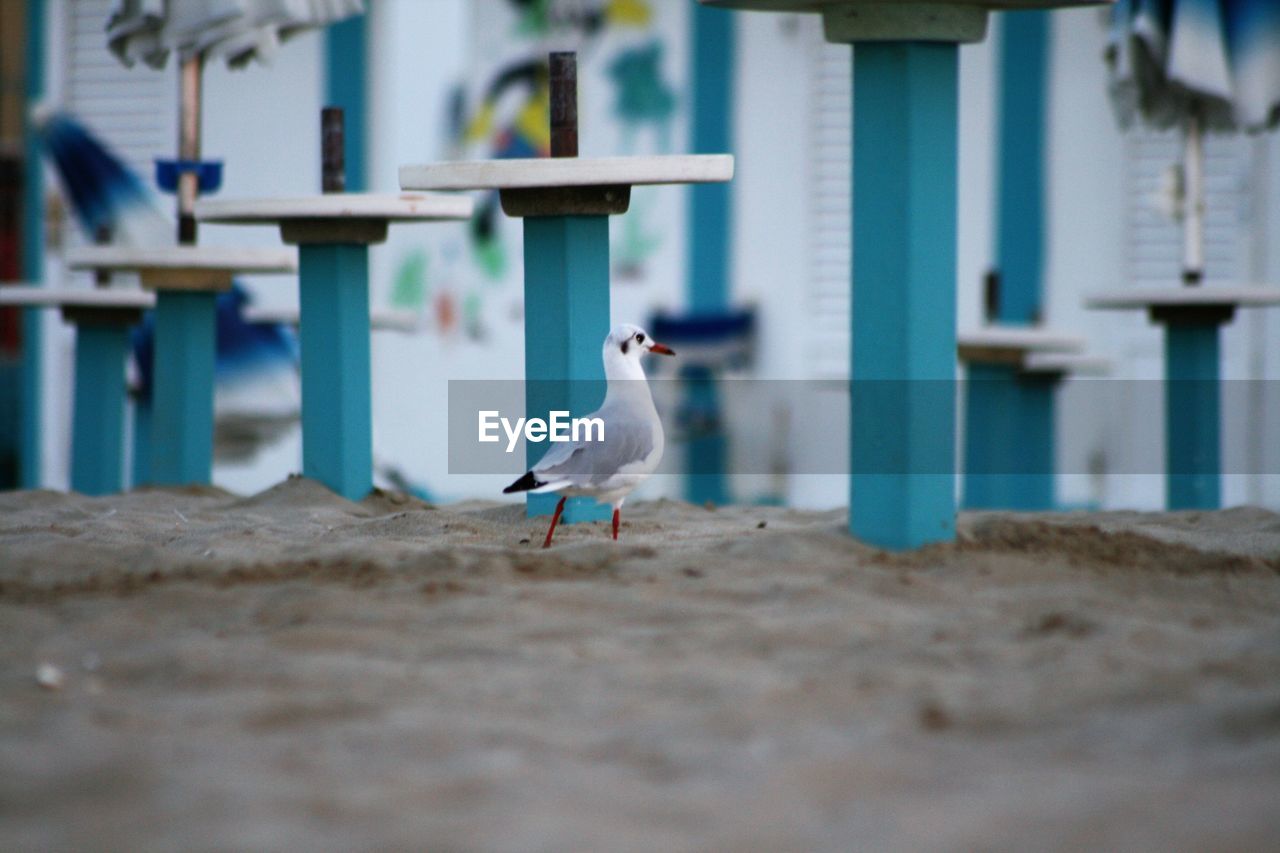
x=188, y=669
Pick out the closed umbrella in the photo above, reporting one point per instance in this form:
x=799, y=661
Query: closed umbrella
x=237, y=31
x=1198, y=65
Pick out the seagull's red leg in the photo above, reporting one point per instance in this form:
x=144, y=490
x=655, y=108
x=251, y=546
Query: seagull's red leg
x=554, y=519
x=617, y=515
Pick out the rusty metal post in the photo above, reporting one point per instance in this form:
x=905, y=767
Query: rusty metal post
x=333, y=163
x=564, y=104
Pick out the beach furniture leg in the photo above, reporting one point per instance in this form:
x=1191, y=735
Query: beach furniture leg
x=706, y=451
x=97, y=428
x=182, y=417
x=141, y=442
x=337, y=431
x=566, y=311
x=1192, y=416
x=903, y=358
x=1008, y=439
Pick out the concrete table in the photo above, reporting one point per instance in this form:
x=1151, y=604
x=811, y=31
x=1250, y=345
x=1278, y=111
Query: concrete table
x=565, y=203
x=1008, y=416
x=902, y=423
x=333, y=232
x=1191, y=316
x=186, y=281
x=102, y=320
x=380, y=319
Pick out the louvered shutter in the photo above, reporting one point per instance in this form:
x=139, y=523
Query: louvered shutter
x=132, y=110
x=828, y=182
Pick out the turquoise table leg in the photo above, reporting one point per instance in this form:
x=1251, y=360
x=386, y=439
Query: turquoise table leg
x=708, y=448
x=97, y=428
x=337, y=428
x=1192, y=416
x=1009, y=434
x=141, y=442
x=182, y=418
x=33, y=244
x=566, y=318
x=1020, y=165
x=902, y=425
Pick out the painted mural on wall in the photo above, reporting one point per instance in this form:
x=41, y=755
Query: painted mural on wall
x=628, y=102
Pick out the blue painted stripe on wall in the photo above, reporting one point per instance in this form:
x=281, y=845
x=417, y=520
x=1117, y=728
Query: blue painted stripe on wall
x=711, y=132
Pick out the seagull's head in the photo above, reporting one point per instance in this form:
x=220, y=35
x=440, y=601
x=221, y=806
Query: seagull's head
x=632, y=342
x=624, y=348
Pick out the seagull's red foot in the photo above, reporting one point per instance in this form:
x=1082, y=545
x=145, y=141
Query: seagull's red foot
x=617, y=515
x=554, y=519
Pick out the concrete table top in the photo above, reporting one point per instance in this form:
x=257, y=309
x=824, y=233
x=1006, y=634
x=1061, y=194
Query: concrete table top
x=405, y=207
x=545, y=172
x=100, y=299
x=184, y=267
x=1012, y=344
x=380, y=319
x=1183, y=296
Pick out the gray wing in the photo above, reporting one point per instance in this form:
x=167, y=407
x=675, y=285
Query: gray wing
x=626, y=441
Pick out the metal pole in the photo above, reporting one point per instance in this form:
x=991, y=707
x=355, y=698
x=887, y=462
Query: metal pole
x=564, y=104
x=190, y=85
x=1193, y=204
x=333, y=165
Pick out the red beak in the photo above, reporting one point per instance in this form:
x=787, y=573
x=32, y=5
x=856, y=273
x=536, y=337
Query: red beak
x=661, y=349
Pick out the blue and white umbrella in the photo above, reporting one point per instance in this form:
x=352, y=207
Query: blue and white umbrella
x=1198, y=65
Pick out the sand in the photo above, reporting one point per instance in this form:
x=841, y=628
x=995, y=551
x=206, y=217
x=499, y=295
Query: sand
x=296, y=671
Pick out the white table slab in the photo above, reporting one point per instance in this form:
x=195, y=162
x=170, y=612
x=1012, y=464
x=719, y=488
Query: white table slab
x=1076, y=365
x=545, y=172
x=380, y=319
x=404, y=207
x=51, y=297
x=1184, y=297
x=210, y=258
x=1023, y=339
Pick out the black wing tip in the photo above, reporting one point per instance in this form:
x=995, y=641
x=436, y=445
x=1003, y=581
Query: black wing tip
x=524, y=484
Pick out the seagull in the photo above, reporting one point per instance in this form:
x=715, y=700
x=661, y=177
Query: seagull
x=631, y=447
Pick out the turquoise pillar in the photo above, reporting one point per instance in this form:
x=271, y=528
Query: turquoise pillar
x=708, y=287
x=32, y=250
x=1020, y=165
x=1008, y=444
x=902, y=420
x=337, y=428
x=142, y=445
x=1003, y=469
x=182, y=414
x=1192, y=416
x=346, y=86
x=97, y=429
x=566, y=312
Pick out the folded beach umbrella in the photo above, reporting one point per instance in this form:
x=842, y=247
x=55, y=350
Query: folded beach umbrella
x=1197, y=65
x=235, y=30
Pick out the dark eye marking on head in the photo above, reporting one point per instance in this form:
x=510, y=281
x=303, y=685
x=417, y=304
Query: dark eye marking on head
x=625, y=346
x=640, y=338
